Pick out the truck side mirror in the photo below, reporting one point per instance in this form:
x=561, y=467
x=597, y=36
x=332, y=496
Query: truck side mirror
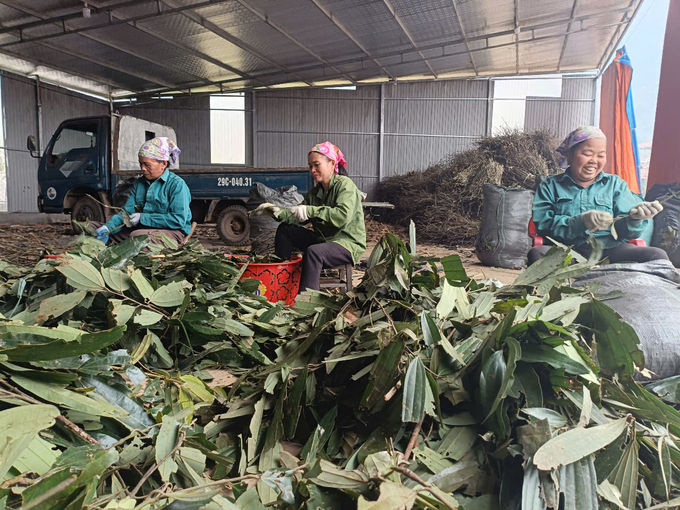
x=32, y=146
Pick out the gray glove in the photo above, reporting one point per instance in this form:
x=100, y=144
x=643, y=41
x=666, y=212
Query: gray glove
x=597, y=220
x=645, y=210
x=267, y=209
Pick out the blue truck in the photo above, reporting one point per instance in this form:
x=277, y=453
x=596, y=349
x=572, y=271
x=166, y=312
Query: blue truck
x=88, y=167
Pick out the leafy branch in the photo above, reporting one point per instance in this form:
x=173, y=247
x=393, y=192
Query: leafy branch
x=437, y=493
x=615, y=234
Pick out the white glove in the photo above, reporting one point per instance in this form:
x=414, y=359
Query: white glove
x=597, y=220
x=266, y=208
x=134, y=219
x=645, y=210
x=300, y=213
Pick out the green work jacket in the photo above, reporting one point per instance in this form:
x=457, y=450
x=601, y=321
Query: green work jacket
x=560, y=202
x=336, y=214
x=164, y=203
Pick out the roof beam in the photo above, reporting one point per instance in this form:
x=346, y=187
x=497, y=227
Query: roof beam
x=349, y=35
x=77, y=74
x=533, y=39
x=442, y=45
x=280, y=30
x=16, y=5
x=112, y=65
x=465, y=39
x=215, y=29
x=241, y=44
x=566, y=37
x=615, y=38
x=139, y=55
x=78, y=14
x=140, y=76
x=176, y=44
x=450, y=43
x=401, y=24
x=109, y=23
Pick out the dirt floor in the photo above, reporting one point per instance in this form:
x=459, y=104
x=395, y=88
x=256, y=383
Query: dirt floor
x=25, y=244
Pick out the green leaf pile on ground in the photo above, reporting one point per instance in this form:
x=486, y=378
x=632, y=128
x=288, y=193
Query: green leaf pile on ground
x=144, y=377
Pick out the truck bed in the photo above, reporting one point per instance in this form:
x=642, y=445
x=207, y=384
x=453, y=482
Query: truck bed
x=213, y=183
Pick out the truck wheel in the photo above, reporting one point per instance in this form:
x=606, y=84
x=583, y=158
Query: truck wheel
x=86, y=209
x=233, y=225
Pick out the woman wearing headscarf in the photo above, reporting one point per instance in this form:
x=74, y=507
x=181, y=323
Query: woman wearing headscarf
x=585, y=200
x=159, y=200
x=334, y=209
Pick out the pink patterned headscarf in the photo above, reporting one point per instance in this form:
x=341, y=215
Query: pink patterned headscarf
x=331, y=151
x=161, y=148
x=578, y=135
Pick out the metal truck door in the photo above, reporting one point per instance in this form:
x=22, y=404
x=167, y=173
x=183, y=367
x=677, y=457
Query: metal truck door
x=72, y=160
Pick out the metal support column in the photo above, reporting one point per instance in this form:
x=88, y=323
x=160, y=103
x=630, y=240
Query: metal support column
x=381, y=133
x=253, y=125
x=595, y=116
x=38, y=103
x=489, y=107
x=4, y=204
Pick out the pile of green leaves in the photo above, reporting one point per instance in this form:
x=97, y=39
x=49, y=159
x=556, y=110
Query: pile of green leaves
x=254, y=258
x=140, y=376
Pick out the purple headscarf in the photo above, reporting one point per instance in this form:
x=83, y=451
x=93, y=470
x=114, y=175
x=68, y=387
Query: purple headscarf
x=578, y=135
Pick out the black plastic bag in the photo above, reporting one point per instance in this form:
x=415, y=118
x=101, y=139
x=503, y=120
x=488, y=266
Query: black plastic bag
x=503, y=239
x=263, y=228
x=667, y=222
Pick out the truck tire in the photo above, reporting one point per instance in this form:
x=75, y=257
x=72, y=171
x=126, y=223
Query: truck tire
x=86, y=209
x=233, y=225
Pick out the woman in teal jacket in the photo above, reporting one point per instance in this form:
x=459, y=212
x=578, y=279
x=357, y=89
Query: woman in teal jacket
x=159, y=201
x=584, y=200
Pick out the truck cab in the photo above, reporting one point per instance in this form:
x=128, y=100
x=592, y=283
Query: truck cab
x=74, y=164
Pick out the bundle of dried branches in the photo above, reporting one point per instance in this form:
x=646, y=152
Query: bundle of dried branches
x=445, y=200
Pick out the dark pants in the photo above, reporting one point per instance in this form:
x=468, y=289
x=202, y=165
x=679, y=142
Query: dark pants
x=140, y=230
x=622, y=253
x=317, y=255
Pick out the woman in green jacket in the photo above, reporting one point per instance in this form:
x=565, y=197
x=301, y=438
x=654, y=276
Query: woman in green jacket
x=585, y=200
x=334, y=209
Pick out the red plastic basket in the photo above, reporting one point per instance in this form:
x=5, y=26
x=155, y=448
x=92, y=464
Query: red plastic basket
x=279, y=281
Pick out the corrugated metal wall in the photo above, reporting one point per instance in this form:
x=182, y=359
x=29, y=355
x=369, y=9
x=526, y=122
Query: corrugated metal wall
x=21, y=120
x=190, y=118
x=425, y=122
x=58, y=106
x=562, y=115
x=422, y=123
x=289, y=122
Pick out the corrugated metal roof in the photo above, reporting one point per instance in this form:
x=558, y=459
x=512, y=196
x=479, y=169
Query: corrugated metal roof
x=150, y=46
